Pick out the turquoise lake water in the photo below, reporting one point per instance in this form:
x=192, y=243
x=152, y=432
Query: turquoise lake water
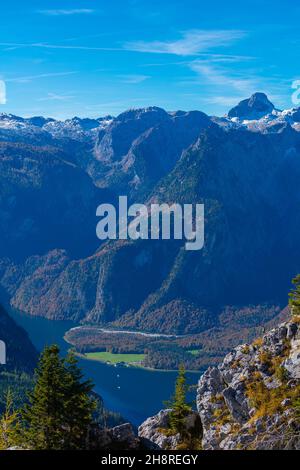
x=135, y=393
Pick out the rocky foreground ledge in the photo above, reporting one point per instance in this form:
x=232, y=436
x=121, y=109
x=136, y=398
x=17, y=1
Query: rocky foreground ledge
x=250, y=401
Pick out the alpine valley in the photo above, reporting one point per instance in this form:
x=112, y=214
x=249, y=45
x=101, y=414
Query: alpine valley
x=244, y=167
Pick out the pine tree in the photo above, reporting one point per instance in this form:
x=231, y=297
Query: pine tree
x=294, y=297
x=78, y=406
x=60, y=410
x=179, y=405
x=9, y=424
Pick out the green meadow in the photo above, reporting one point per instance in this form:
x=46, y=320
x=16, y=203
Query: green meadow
x=105, y=356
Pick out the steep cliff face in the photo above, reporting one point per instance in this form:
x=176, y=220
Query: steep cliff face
x=46, y=202
x=141, y=146
x=252, y=399
x=246, y=230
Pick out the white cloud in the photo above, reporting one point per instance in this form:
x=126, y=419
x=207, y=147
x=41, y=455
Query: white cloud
x=74, y=11
x=2, y=92
x=192, y=42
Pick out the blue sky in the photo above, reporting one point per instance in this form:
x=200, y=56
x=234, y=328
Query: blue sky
x=93, y=57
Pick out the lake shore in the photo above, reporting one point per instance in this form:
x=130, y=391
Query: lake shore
x=134, y=392
x=132, y=365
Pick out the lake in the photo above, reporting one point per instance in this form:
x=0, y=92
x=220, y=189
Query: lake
x=136, y=393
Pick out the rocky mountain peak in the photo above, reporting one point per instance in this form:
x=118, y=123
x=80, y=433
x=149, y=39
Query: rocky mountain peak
x=255, y=107
x=152, y=114
x=10, y=117
x=39, y=121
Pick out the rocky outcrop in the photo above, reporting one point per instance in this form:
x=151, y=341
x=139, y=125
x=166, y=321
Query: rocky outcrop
x=292, y=363
x=120, y=437
x=251, y=400
x=155, y=433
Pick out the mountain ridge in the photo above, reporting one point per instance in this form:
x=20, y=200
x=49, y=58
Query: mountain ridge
x=152, y=155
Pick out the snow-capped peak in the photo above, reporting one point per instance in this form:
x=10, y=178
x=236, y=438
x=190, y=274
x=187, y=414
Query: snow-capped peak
x=257, y=113
x=76, y=128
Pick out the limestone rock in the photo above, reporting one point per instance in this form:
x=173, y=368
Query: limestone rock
x=228, y=410
x=153, y=432
x=117, y=438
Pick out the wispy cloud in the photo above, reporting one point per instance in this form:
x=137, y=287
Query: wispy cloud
x=55, y=97
x=133, y=79
x=221, y=76
x=192, y=42
x=30, y=78
x=227, y=101
x=2, y=92
x=74, y=11
x=43, y=45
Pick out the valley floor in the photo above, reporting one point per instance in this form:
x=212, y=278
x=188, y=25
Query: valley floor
x=152, y=350
x=111, y=358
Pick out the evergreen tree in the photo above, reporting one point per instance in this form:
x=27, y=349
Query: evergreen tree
x=179, y=405
x=9, y=424
x=60, y=410
x=294, y=296
x=78, y=406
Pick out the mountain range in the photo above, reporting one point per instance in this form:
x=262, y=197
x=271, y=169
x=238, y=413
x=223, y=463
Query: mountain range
x=245, y=168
